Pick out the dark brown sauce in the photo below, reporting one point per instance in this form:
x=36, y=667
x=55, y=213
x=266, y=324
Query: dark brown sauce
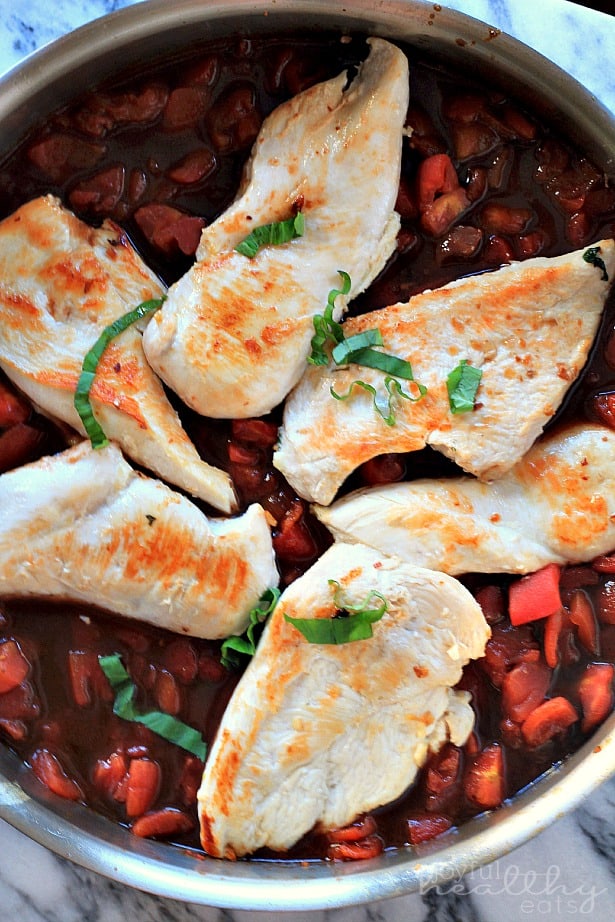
x=263, y=73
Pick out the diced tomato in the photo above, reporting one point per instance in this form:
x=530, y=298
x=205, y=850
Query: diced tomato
x=169, y=229
x=506, y=647
x=13, y=408
x=190, y=779
x=535, y=596
x=425, y=826
x=461, y=242
x=259, y=432
x=554, y=628
x=294, y=538
x=16, y=729
x=484, y=781
x=605, y=602
x=48, y=769
x=361, y=850
x=497, y=251
x=88, y=681
x=491, y=601
x=18, y=445
x=406, y=205
x=472, y=140
x=181, y=660
x=185, y=107
x=604, y=564
x=437, y=218
x=20, y=703
x=99, y=193
x=576, y=577
x=523, y=689
x=443, y=778
x=501, y=219
x=167, y=691
x=383, y=469
x=109, y=773
x=60, y=156
x=166, y=822
x=596, y=694
x=436, y=176
x=239, y=454
x=583, y=617
x=211, y=669
x=234, y=120
x=578, y=227
x=360, y=829
x=548, y=720
x=14, y=667
x=143, y=786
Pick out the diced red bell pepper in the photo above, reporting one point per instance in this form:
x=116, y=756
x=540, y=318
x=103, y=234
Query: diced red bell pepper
x=535, y=596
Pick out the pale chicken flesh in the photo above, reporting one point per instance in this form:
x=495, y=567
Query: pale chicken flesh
x=83, y=525
x=557, y=505
x=61, y=283
x=528, y=326
x=234, y=333
x=305, y=716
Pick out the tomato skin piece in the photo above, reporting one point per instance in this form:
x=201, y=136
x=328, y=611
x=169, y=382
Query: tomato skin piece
x=535, y=596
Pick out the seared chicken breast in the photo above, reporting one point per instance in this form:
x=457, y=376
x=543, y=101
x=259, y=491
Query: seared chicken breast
x=557, y=505
x=528, y=326
x=61, y=283
x=84, y=525
x=234, y=333
x=292, y=747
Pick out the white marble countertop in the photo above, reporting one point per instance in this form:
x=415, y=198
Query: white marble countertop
x=568, y=871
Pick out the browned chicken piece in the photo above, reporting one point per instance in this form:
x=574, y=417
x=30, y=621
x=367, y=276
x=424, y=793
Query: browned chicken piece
x=234, y=334
x=292, y=747
x=556, y=505
x=528, y=326
x=61, y=283
x=84, y=525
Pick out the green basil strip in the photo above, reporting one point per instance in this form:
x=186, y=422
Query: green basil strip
x=246, y=643
x=81, y=400
x=353, y=345
x=272, y=235
x=394, y=389
x=591, y=256
x=164, y=725
x=390, y=364
x=462, y=385
x=354, y=622
x=326, y=329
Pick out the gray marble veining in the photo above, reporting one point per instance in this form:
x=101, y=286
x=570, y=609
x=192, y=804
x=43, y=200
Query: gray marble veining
x=568, y=871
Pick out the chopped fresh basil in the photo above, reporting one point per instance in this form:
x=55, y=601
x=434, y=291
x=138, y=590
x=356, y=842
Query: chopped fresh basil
x=272, y=235
x=164, y=725
x=246, y=644
x=352, y=622
x=90, y=363
x=462, y=385
x=591, y=256
x=393, y=388
x=358, y=350
x=326, y=329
